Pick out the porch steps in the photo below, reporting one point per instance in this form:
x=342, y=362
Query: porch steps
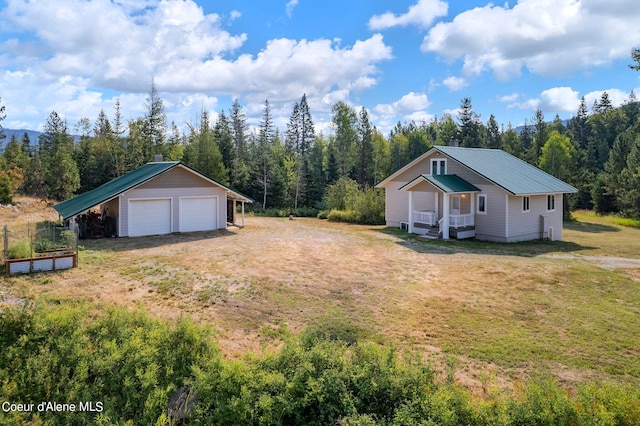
x=433, y=233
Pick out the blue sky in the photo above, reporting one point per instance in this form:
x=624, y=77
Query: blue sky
x=402, y=60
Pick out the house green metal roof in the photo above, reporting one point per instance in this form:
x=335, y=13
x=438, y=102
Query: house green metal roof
x=511, y=173
x=112, y=189
x=450, y=184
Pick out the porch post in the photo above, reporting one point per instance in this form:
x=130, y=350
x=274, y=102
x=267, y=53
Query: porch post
x=234, y=213
x=445, y=215
x=243, y=214
x=411, y=212
x=435, y=196
x=473, y=209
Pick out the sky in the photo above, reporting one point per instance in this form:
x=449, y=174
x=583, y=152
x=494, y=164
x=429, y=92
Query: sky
x=402, y=60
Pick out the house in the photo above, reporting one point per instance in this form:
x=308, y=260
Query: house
x=159, y=197
x=454, y=192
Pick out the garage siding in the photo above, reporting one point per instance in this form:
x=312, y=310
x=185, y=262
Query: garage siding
x=174, y=194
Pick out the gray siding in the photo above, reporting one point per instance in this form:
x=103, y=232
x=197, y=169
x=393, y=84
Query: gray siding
x=177, y=182
x=491, y=226
x=396, y=204
x=527, y=225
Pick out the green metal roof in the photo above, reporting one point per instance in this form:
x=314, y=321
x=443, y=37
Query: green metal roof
x=450, y=184
x=112, y=189
x=109, y=190
x=509, y=172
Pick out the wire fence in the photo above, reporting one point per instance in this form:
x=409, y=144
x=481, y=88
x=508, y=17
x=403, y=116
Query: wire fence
x=40, y=240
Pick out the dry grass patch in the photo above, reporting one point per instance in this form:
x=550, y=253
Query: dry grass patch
x=496, y=311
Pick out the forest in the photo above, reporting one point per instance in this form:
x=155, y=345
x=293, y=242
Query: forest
x=298, y=170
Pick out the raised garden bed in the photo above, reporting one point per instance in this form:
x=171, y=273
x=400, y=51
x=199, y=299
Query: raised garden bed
x=48, y=260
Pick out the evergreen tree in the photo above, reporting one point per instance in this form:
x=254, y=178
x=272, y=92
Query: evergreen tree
x=635, y=56
x=579, y=126
x=202, y=152
x=264, y=150
x=14, y=154
x=494, y=138
x=224, y=136
x=317, y=173
x=345, y=122
x=469, y=134
x=557, y=125
x=2, y=117
x=364, y=173
x=333, y=168
x=306, y=127
x=540, y=136
x=34, y=178
x=155, y=123
x=511, y=143
x=239, y=130
x=61, y=175
x=25, y=144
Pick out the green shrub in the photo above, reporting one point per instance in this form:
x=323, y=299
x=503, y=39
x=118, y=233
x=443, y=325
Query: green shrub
x=326, y=375
x=323, y=214
x=42, y=244
x=20, y=250
x=349, y=216
x=125, y=360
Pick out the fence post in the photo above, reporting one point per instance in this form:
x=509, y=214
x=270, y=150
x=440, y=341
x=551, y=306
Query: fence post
x=6, y=242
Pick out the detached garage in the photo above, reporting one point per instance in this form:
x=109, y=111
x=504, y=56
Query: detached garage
x=158, y=198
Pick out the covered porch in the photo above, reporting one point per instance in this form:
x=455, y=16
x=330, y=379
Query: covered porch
x=441, y=206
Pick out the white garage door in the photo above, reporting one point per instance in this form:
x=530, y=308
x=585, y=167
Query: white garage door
x=149, y=217
x=198, y=214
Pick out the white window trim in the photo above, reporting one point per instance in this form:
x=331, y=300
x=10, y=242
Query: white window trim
x=439, y=160
x=554, y=202
x=528, y=204
x=478, y=204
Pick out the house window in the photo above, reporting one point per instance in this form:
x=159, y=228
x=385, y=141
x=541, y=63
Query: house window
x=438, y=166
x=482, y=203
x=551, y=203
x=525, y=204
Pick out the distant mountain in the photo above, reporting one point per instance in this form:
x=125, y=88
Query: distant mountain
x=33, y=136
x=519, y=129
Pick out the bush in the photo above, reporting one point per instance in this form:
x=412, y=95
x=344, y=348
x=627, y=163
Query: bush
x=326, y=375
x=353, y=205
x=349, y=216
x=299, y=212
x=20, y=250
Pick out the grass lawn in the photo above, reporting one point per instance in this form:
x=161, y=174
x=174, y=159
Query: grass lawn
x=495, y=312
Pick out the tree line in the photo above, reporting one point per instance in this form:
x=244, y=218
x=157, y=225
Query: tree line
x=298, y=168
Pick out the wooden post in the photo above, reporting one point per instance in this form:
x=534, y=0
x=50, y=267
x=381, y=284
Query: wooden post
x=445, y=215
x=410, y=212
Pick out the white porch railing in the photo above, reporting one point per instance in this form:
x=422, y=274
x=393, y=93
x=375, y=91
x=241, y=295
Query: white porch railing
x=425, y=216
x=461, y=220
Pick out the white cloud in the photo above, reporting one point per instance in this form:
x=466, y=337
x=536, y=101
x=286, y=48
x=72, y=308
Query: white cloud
x=290, y=6
x=509, y=98
x=409, y=104
x=455, y=83
x=559, y=99
x=547, y=37
x=617, y=97
x=119, y=46
x=422, y=14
